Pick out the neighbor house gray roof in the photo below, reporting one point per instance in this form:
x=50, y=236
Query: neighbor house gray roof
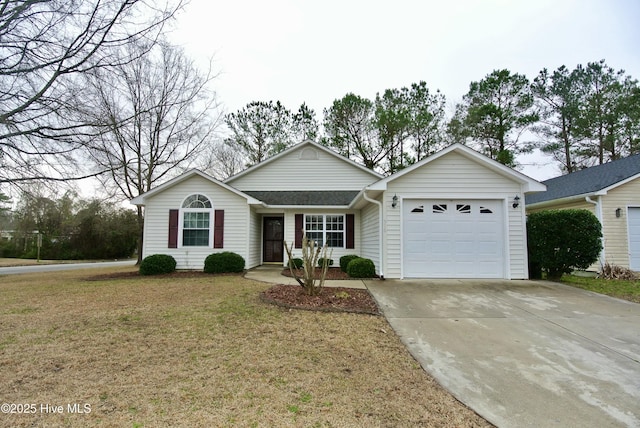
x=587, y=181
x=304, y=197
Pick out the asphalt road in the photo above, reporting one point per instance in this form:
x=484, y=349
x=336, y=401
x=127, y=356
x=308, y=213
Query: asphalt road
x=63, y=266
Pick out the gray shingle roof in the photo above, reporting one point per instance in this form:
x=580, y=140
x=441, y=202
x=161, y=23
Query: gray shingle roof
x=587, y=181
x=305, y=197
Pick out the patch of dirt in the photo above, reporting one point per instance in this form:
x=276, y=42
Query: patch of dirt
x=330, y=299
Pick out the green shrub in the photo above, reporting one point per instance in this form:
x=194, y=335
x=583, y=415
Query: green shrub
x=322, y=261
x=562, y=240
x=223, y=262
x=361, y=268
x=157, y=264
x=344, y=261
x=297, y=263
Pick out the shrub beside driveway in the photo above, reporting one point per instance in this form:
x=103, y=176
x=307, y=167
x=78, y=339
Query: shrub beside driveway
x=203, y=351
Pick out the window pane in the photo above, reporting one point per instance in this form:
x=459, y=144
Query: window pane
x=335, y=239
x=317, y=237
x=195, y=229
x=197, y=201
x=195, y=238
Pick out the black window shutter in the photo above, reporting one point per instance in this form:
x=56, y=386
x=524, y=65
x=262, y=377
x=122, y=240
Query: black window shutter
x=173, y=228
x=299, y=230
x=218, y=229
x=350, y=232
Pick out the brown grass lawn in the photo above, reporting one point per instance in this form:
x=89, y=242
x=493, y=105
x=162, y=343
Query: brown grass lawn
x=201, y=352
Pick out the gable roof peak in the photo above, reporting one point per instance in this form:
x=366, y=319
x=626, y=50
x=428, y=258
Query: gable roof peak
x=298, y=146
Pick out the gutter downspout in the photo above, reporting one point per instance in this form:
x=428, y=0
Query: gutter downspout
x=380, y=223
x=599, y=217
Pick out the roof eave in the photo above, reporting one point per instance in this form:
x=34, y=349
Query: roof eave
x=564, y=200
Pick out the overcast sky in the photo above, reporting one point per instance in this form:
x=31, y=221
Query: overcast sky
x=318, y=51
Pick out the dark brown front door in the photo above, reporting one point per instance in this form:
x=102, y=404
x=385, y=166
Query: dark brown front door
x=273, y=232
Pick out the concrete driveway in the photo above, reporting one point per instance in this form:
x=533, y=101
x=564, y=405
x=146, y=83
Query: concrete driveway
x=523, y=353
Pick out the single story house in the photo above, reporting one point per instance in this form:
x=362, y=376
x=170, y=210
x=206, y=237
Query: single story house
x=455, y=214
x=612, y=192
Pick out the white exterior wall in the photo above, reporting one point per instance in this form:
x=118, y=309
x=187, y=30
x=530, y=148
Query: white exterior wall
x=454, y=176
x=370, y=232
x=156, y=223
x=254, y=242
x=305, y=169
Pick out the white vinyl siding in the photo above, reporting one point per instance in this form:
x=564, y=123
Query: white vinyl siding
x=456, y=177
x=614, y=229
x=156, y=225
x=254, y=244
x=371, y=235
x=295, y=171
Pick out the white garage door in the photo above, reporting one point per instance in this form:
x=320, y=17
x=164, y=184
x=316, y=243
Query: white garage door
x=634, y=238
x=453, y=239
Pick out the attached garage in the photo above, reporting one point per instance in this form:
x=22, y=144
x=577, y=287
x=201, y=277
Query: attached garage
x=634, y=238
x=461, y=238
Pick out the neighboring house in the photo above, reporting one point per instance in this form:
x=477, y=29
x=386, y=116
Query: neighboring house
x=455, y=214
x=612, y=192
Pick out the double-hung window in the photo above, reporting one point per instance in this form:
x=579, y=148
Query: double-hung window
x=325, y=229
x=196, y=221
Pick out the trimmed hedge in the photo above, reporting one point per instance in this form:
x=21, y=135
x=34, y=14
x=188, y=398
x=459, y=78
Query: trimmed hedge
x=296, y=262
x=562, y=240
x=322, y=261
x=344, y=261
x=361, y=268
x=157, y=264
x=223, y=262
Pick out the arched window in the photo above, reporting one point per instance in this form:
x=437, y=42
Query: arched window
x=195, y=220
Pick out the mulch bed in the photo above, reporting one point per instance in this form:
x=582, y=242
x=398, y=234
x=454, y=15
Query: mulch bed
x=330, y=299
x=332, y=273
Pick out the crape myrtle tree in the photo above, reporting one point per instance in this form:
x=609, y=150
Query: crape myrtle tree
x=262, y=129
x=155, y=116
x=494, y=114
x=45, y=46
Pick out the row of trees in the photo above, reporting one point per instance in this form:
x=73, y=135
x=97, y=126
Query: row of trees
x=586, y=116
x=71, y=228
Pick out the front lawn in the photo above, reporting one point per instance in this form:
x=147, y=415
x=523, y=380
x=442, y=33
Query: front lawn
x=201, y=351
x=622, y=289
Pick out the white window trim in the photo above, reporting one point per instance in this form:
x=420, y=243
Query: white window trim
x=195, y=210
x=324, y=226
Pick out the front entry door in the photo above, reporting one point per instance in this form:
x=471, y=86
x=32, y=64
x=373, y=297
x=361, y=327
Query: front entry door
x=273, y=247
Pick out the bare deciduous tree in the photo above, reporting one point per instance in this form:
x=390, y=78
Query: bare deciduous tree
x=157, y=116
x=44, y=46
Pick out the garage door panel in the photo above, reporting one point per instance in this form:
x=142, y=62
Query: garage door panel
x=462, y=238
